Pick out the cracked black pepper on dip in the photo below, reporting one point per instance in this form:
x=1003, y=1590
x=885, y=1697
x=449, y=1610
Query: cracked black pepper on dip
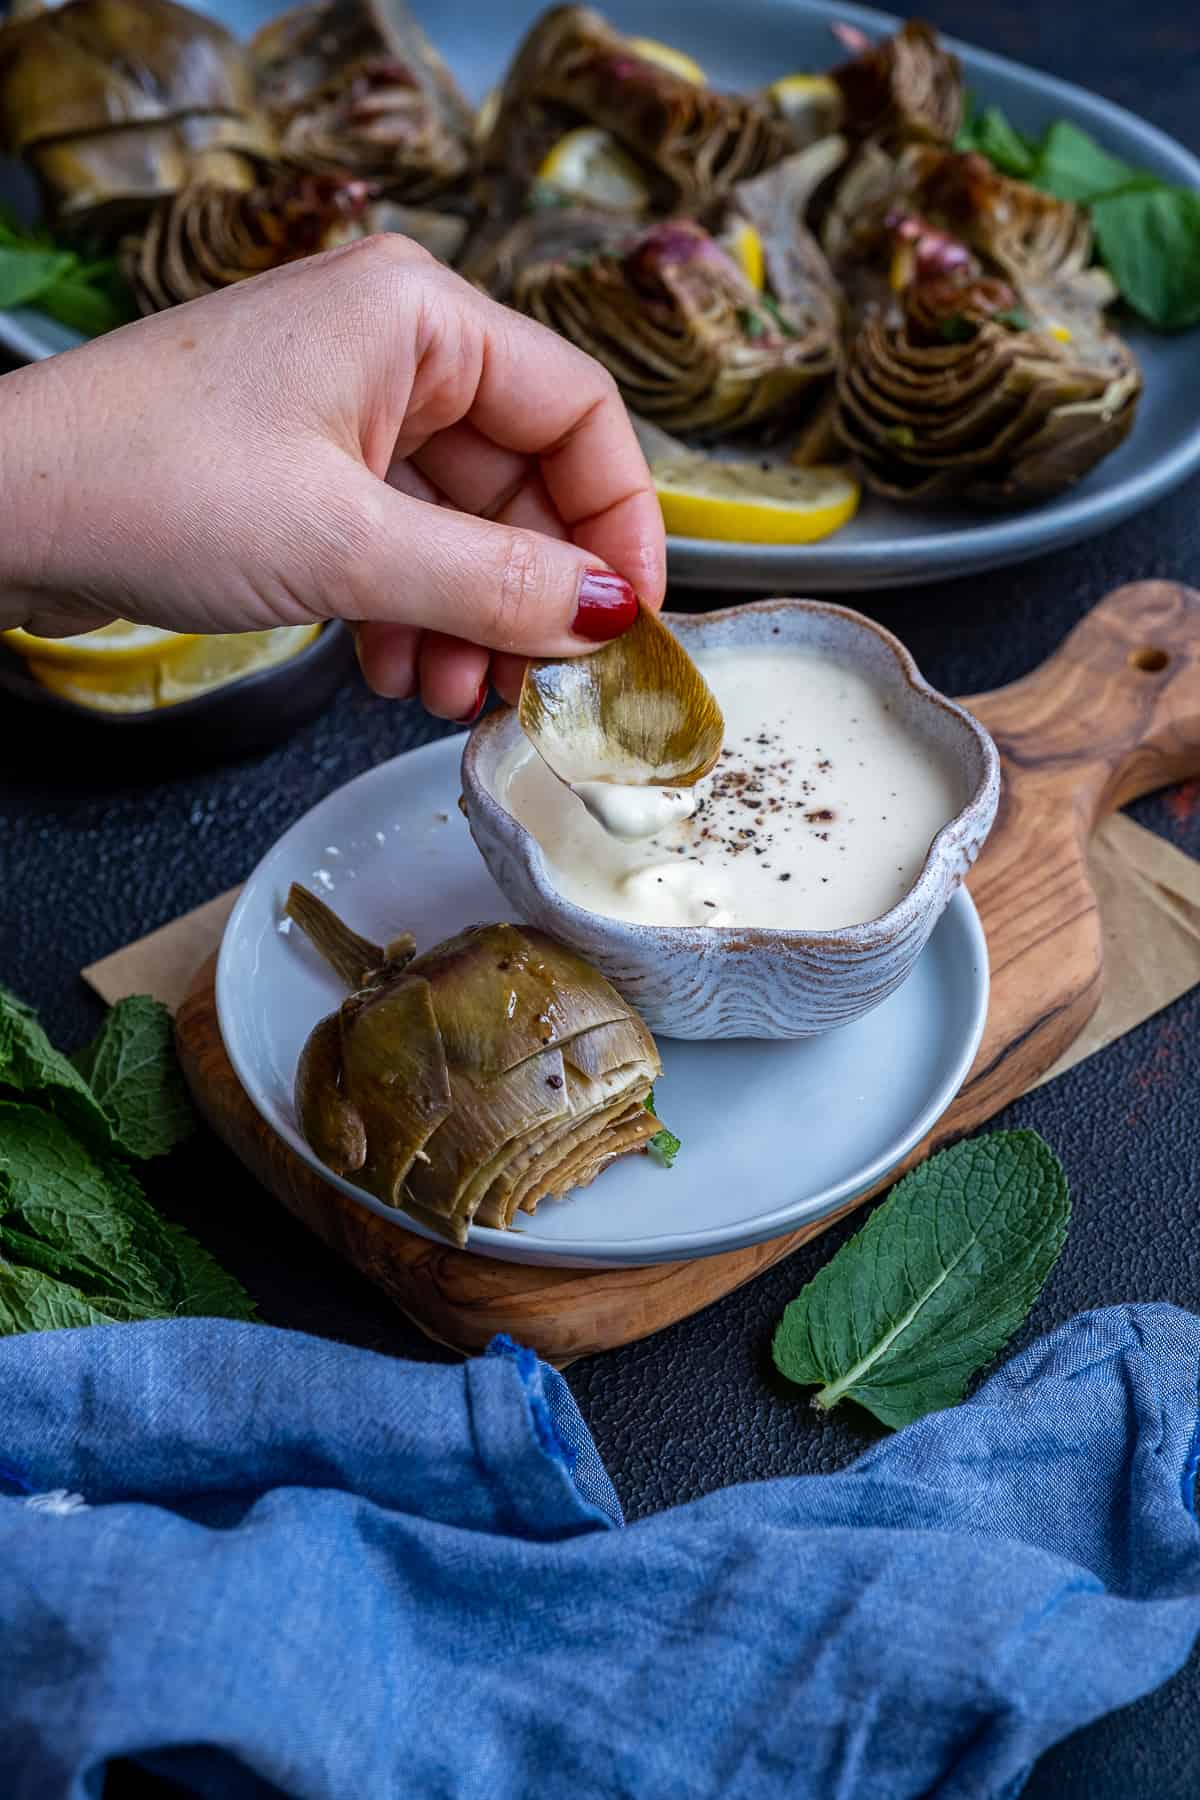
x=819, y=812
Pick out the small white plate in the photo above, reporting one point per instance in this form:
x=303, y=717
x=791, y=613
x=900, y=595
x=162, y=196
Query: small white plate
x=774, y=1134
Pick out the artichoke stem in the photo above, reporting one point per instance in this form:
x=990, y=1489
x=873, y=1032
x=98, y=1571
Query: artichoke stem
x=356, y=959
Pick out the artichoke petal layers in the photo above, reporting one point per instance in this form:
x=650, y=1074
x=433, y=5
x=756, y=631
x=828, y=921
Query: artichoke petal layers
x=494, y=1071
x=116, y=102
x=354, y=87
x=688, y=340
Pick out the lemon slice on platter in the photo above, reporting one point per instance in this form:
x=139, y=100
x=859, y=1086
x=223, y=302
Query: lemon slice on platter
x=743, y=503
x=488, y=113
x=667, y=57
x=811, y=104
x=588, y=164
x=154, y=668
x=745, y=247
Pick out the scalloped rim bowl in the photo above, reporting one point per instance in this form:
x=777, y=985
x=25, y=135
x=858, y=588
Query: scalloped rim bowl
x=722, y=981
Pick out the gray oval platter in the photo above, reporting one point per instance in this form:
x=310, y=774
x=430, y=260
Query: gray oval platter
x=885, y=546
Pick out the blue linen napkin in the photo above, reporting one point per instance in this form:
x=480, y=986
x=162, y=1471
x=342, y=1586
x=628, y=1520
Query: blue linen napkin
x=266, y=1564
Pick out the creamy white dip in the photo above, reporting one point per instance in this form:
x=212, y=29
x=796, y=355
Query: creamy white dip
x=819, y=813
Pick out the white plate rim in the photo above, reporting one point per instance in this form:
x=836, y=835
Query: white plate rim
x=524, y=1246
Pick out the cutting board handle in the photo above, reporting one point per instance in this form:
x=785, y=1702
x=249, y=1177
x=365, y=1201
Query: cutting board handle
x=1115, y=712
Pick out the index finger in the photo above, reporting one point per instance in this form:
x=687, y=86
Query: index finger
x=542, y=397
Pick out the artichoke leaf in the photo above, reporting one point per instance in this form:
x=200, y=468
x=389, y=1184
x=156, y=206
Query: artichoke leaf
x=394, y=1075
x=329, y=1121
x=483, y=1122
x=355, y=88
x=505, y=994
x=637, y=712
x=906, y=88
x=617, y=1045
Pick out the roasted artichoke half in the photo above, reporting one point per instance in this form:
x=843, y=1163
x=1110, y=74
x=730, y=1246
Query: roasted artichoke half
x=970, y=387
x=692, y=345
x=114, y=103
x=209, y=236
x=692, y=142
x=905, y=90
x=354, y=87
x=472, y=1082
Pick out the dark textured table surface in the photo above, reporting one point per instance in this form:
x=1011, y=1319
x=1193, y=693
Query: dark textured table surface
x=88, y=863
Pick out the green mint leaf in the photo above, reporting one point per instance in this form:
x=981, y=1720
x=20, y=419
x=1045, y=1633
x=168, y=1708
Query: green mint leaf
x=1149, y=239
x=1072, y=165
x=934, y=1284
x=85, y=308
x=956, y=329
x=1008, y=149
x=1015, y=317
x=772, y=306
x=26, y=274
x=664, y=1146
x=67, y=1214
x=31, y=1066
x=206, y=1290
x=132, y=1071
x=30, y=1301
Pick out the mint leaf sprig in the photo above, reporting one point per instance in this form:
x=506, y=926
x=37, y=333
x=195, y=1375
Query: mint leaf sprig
x=664, y=1146
x=79, y=1242
x=1147, y=231
x=935, y=1283
x=85, y=293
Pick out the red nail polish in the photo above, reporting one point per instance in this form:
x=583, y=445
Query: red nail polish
x=607, y=606
x=470, y=717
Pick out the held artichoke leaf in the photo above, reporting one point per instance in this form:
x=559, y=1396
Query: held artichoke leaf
x=572, y=68
x=494, y=1071
x=116, y=102
x=354, y=87
x=689, y=341
x=906, y=89
x=209, y=236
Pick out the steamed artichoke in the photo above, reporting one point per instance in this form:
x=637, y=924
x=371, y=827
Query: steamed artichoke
x=968, y=388
x=495, y=1071
x=691, y=344
x=355, y=88
x=208, y=236
x=573, y=68
x=114, y=103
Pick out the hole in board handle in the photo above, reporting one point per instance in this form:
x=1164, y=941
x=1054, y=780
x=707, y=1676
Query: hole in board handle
x=1149, y=660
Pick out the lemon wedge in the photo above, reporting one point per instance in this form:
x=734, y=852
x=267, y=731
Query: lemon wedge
x=743, y=503
x=590, y=165
x=172, y=667
x=120, y=643
x=811, y=104
x=667, y=57
x=745, y=246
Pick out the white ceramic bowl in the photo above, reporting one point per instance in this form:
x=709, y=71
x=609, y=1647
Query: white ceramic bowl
x=723, y=981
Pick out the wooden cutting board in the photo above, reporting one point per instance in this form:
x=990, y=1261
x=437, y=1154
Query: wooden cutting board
x=1113, y=714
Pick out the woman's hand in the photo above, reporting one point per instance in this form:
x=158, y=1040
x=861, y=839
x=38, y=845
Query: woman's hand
x=361, y=436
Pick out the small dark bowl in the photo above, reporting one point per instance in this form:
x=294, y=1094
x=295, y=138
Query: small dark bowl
x=235, y=720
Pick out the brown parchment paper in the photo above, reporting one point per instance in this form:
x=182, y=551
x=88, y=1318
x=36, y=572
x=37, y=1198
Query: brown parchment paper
x=1149, y=895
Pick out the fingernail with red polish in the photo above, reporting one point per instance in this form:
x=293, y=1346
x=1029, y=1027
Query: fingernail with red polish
x=607, y=606
x=469, y=718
